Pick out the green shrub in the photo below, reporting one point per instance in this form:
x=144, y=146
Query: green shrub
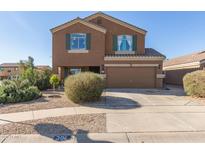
x=31, y=75
x=84, y=87
x=24, y=84
x=35, y=76
x=54, y=81
x=43, y=78
x=194, y=83
x=2, y=96
x=12, y=91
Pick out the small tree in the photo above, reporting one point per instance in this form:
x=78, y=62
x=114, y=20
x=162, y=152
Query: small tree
x=30, y=62
x=54, y=81
x=31, y=75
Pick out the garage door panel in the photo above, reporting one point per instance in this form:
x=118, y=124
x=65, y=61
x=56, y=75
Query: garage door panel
x=131, y=77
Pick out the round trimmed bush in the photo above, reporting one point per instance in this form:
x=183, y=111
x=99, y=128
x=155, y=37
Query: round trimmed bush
x=84, y=87
x=194, y=83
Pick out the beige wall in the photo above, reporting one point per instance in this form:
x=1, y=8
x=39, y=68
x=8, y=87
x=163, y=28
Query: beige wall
x=101, y=44
x=61, y=57
x=116, y=29
x=176, y=76
x=9, y=71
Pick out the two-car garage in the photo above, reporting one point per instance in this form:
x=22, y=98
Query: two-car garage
x=131, y=77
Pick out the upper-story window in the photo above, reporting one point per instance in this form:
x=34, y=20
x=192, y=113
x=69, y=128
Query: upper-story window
x=78, y=41
x=124, y=43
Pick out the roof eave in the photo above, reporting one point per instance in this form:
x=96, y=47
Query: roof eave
x=140, y=30
x=77, y=20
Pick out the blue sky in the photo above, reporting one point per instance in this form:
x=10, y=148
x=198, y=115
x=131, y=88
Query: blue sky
x=24, y=34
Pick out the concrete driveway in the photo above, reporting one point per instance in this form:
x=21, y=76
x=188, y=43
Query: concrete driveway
x=132, y=115
x=154, y=111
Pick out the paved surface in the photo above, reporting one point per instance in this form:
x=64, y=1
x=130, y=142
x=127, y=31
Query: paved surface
x=132, y=115
x=155, y=137
x=158, y=111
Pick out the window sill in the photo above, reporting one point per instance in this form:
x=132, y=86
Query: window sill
x=78, y=51
x=124, y=52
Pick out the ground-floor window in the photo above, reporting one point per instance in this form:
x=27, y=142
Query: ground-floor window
x=75, y=70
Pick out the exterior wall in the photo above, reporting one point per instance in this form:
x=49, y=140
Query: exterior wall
x=9, y=72
x=116, y=29
x=101, y=44
x=176, y=76
x=61, y=57
x=159, y=81
x=202, y=66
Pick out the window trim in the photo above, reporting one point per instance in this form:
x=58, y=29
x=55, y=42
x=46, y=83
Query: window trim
x=125, y=51
x=78, y=49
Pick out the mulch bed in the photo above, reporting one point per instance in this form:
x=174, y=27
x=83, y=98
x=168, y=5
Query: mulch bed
x=84, y=123
x=49, y=100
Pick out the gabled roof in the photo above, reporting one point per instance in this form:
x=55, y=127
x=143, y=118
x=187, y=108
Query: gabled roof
x=78, y=20
x=9, y=65
x=190, y=58
x=118, y=21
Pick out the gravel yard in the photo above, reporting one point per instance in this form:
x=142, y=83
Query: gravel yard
x=93, y=123
x=49, y=100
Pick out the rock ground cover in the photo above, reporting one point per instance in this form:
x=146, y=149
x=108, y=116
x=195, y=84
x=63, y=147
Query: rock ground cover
x=84, y=123
x=49, y=100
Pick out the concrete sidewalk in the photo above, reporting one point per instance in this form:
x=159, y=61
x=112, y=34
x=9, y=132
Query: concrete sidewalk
x=40, y=114
x=157, y=137
x=132, y=115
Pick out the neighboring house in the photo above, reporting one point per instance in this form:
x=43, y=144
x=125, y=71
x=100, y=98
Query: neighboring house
x=12, y=71
x=176, y=68
x=43, y=67
x=9, y=70
x=102, y=44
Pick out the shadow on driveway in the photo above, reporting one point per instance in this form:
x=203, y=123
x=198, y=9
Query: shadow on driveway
x=53, y=131
x=163, y=91
x=113, y=102
x=60, y=133
x=82, y=137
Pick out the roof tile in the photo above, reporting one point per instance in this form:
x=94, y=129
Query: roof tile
x=194, y=57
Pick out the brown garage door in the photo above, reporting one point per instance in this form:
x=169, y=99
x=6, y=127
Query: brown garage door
x=131, y=77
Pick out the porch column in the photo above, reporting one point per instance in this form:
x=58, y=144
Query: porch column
x=60, y=72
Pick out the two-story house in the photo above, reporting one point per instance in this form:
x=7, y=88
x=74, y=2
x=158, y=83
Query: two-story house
x=9, y=70
x=106, y=45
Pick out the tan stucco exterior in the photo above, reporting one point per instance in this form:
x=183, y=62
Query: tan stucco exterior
x=9, y=72
x=175, y=76
x=116, y=29
x=102, y=45
x=94, y=57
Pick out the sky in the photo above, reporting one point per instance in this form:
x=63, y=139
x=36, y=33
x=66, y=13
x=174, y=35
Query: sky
x=24, y=34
